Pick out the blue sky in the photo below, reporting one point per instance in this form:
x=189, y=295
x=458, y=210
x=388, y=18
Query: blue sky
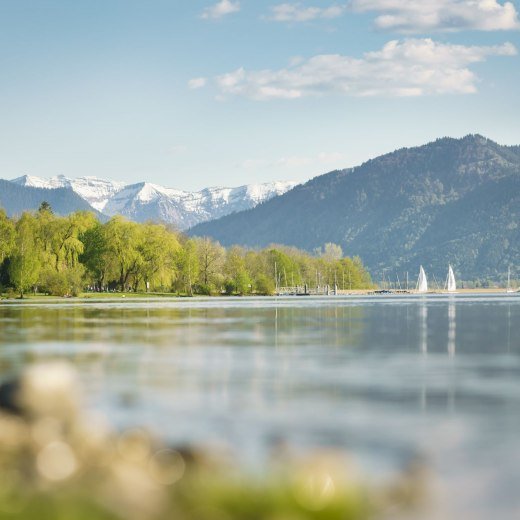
x=199, y=93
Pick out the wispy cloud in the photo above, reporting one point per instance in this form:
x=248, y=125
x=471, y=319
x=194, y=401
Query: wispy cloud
x=298, y=12
x=220, y=9
x=411, y=67
x=196, y=83
x=412, y=16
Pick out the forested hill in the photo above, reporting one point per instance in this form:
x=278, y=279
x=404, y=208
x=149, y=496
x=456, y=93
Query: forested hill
x=17, y=199
x=452, y=200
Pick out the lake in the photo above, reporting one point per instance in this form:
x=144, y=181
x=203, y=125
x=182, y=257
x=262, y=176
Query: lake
x=387, y=378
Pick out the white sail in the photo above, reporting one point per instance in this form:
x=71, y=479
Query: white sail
x=422, y=282
x=452, y=284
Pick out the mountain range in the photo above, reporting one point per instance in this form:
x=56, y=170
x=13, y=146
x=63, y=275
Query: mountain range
x=15, y=199
x=450, y=201
x=140, y=202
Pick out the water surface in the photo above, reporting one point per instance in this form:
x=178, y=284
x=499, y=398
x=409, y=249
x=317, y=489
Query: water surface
x=386, y=378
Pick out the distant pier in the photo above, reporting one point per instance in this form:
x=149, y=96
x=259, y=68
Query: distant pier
x=305, y=290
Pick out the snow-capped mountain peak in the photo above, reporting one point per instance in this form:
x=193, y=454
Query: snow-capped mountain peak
x=32, y=181
x=97, y=192
x=146, y=201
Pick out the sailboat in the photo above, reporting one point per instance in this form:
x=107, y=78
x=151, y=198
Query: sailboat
x=422, y=282
x=509, y=288
x=451, y=283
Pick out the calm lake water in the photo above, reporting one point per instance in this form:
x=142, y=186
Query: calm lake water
x=386, y=378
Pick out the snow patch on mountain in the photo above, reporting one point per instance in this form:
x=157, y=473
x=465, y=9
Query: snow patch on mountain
x=146, y=201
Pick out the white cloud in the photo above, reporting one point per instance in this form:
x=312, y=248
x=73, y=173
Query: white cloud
x=413, y=16
x=196, y=83
x=220, y=9
x=297, y=12
x=412, y=67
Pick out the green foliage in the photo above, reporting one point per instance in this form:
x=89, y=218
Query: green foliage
x=64, y=283
x=238, y=279
x=7, y=234
x=211, y=260
x=187, y=265
x=95, y=255
x=204, y=289
x=264, y=285
x=285, y=267
x=122, y=255
x=25, y=263
x=63, y=255
x=157, y=248
x=45, y=207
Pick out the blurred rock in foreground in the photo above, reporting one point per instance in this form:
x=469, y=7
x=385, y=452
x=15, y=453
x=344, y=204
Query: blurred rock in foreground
x=57, y=462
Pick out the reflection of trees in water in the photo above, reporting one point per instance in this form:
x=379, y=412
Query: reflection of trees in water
x=162, y=345
x=111, y=324
x=323, y=325
x=229, y=355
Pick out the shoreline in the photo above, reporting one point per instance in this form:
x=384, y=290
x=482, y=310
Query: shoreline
x=171, y=296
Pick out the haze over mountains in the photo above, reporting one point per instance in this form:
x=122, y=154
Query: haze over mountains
x=142, y=201
x=452, y=200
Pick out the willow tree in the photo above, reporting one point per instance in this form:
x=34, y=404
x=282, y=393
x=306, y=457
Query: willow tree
x=157, y=249
x=64, y=236
x=24, y=268
x=211, y=260
x=187, y=264
x=122, y=240
x=238, y=279
x=7, y=235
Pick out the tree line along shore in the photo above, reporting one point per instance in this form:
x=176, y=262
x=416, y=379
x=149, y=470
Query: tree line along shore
x=44, y=253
